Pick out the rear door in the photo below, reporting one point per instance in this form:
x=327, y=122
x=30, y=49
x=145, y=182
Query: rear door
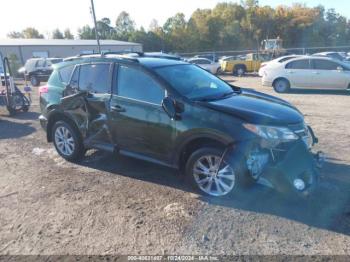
x=89, y=109
x=328, y=76
x=138, y=122
x=300, y=73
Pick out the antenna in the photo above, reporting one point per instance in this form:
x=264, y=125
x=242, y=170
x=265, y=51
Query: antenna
x=96, y=33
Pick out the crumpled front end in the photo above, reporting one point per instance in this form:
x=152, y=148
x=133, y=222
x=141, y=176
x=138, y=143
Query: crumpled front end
x=287, y=167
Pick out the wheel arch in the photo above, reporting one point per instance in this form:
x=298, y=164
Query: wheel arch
x=193, y=143
x=281, y=78
x=239, y=66
x=53, y=118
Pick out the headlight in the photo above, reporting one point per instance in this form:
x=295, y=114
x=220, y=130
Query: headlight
x=272, y=133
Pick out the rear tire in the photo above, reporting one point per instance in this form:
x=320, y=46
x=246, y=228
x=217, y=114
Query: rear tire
x=67, y=141
x=201, y=169
x=25, y=108
x=281, y=85
x=240, y=70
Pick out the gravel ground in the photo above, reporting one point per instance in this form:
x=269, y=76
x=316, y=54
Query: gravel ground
x=110, y=204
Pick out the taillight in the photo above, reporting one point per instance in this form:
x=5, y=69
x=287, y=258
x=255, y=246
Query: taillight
x=43, y=90
x=262, y=65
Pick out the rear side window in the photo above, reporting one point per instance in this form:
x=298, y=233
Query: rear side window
x=321, y=64
x=136, y=84
x=299, y=64
x=286, y=59
x=65, y=73
x=95, y=78
x=56, y=61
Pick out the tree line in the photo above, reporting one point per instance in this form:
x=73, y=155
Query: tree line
x=228, y=26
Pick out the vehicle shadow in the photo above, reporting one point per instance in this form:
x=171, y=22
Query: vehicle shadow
x=329, y=208
x=319, y=92
x=10, y=129
x=26, y=116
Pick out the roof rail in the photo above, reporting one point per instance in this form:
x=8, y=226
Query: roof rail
x=127, y=55
x=122, y=53
x=79, y=56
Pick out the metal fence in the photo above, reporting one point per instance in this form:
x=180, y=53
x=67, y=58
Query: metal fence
x=214, y=55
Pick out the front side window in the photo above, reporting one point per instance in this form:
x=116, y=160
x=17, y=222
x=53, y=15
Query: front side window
x=299, y=64
x=95, y=78
x=321, y=64
x=136, y=84
x=193, y=82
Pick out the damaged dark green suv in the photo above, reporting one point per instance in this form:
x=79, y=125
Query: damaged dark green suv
x=176, y=114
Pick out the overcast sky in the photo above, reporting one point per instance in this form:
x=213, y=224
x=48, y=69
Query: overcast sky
x=46, y=15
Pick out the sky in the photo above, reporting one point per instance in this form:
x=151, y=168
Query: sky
x=46, y=15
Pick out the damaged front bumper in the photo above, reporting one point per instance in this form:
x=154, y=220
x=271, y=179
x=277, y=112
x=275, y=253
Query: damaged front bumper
x=288, y=168
x=297, y=171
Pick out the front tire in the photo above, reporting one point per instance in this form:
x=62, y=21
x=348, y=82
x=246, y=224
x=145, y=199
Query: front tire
x=67, y=141
x=281, y=85
x=34, y=81
x=206, y=176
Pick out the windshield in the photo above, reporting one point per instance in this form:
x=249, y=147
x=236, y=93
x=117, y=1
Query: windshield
x=194, y=82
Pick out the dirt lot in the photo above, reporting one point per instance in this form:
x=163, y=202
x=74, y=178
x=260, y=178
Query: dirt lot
x=115, y=205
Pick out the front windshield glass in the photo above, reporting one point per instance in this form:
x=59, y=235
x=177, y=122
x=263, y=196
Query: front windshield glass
x=194, y=82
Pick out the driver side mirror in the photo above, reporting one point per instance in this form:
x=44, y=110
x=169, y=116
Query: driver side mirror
x=170, y=107
x=340, y=69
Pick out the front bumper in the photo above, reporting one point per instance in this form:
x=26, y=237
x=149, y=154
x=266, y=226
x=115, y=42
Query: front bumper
x=297, y=163
x=266, y=82
x=281, y=168
x=43, y=122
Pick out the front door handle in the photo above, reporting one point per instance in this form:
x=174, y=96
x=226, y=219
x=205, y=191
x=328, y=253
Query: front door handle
x=316, y=73
x=117, y=108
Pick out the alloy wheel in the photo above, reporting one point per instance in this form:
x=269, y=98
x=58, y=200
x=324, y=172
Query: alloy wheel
x=64, y=141
x=281, y=86
x=213, y=179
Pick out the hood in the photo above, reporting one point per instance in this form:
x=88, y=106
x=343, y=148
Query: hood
x=258, y=108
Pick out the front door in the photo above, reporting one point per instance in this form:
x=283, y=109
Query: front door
x=138, y=122
x=299, y=73
x=328, y=76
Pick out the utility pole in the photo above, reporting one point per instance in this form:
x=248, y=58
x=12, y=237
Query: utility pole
x=96, y=33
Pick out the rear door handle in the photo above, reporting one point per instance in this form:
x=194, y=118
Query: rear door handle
x=316, y=73
x=117, y=108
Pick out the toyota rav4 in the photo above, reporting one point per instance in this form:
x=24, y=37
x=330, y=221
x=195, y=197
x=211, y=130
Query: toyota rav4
x=176, y=114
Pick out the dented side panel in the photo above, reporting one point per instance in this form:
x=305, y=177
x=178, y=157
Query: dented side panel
x=90, y=113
